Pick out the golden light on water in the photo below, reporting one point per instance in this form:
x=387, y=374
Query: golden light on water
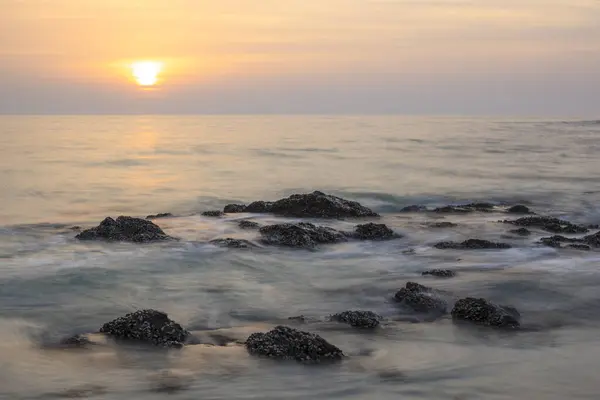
x=146, y=73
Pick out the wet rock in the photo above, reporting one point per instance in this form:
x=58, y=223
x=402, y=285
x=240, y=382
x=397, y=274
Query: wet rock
x=213, y=213
x=234, y=208
x=75, y=228
x=442, y=225
x=583, y=247
x=519, y=209
x=592, y=240
x=313, y=205
x=246, y=224
x=549, y=224
x=373, y=231
x=521, y=232
x=358, y=319
x=148, y=326
x=584, y=243
x=158, y=216
x=472, y=244
x=421, y=299
x=465, y=208
x=126, y=229
x=483, y=312
x=233, y=243
x=284, y=343
x=77, y=341
x=440, y=273
x=413, y=208
x=301, y=235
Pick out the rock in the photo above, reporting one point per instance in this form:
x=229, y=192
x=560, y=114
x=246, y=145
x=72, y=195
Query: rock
x=583, y=247
x=246, y=224
x=233, y=243
x=472, y=244
x=421, y=299
x=440, y=273
x=592, y=240
x=148, y=326
x=358, y=319
x=126, y=229
x=483, y=312
x=444, y=224
x=301, y=235
x=284, y=343
x=519, y=209
x=234, y=208
x=312, y=205
x=75, y=228
x=77, y=341
x=413, y=208
x=213, y=213
x=465, y=208
x=161, y=215
x=521, y=232
x=549, y=224
x=373, y=231
x=584, y=243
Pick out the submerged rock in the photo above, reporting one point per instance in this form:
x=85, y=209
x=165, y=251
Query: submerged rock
x=233, y=243
x=77, y=341
x=521, y=232
x=441, y=225
x=421, y=299
x=483, y=312
x=549, y=224
x=158, y=216
x=584, y=243
x=519, y=209
x=413, y=208
x=213, y=213
x=465, y=208
x=234, y=208
x=440, y=273
x=472, y=244
x=126, y=229
x=148, y=326
x=246, y=224
x=373, y=231
x=301, y=235
x=284, y=343
x=358, y=319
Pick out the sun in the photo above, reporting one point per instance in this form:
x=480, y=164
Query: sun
x=146, y=73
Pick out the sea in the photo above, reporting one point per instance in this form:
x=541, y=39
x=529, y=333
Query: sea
x=62, y=172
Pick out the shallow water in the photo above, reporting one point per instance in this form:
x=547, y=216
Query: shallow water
x=57, y=172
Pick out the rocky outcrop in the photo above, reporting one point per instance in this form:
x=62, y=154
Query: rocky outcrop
x=358, y=319
x=233, y=243
x=421, y=299
x=373, y=231
x=413, y=208
x=585, y=243
x=149, y=326
x=161, y=215
x=247, y=224
x=465, y=208
x=442, y=225
x=472, y=244
x=125, y=229
x=213, y=213
x=521, y=232
x=519, y=209
x=259, y=207
x=301, y=235
x=549, y=224
x=483, y=312
x=234, y=208
x=440, y=273
x=284, y=343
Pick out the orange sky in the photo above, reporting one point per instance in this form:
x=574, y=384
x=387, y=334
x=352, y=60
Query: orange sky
x=212, y=45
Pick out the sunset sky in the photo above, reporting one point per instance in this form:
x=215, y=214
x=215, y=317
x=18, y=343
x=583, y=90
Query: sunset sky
x=526, y=57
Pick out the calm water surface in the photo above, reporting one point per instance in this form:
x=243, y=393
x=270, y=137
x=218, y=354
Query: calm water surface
x=56, y=172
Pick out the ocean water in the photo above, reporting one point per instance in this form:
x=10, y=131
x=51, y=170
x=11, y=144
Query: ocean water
x=60, y=171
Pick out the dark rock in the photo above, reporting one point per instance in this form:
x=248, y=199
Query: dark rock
x=413, y=208
x=148, y=326
x=549, y=224
x=233, y=243
x=246, y=224
x=472, y=244
x=125, y=229
x=483, y=312
x=584, y=243
x=213, y=213
x=373, y=231
x=521, y=232
x=358, y=319
x=519, y=209
x=465, y=208
x=440, y=273
x=592, y=240
x=301, y=235
x=556, y=241
x=75, y=228
x=421, y=299
x=584, y=247
x=234, y=208
x=312, y=205
x=77, y=341
x=161, y=215
x=284, y=343
x=444, y=224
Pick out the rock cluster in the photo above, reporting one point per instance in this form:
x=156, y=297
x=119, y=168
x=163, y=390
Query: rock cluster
x=483, y=312
x=358, y=319
x=126, y=229
x=549, y=224
x=472, y=244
